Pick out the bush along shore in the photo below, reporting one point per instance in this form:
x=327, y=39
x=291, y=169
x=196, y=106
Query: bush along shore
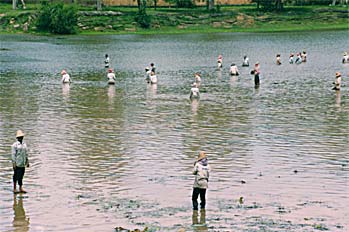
x=125, y=20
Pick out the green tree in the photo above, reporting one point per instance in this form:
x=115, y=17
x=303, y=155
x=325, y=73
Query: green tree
x=270, y=4
x=57, y=18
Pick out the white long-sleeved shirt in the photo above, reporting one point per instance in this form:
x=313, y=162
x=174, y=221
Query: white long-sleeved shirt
x=111, y=77
x=66, y=78
x=19, y=154
x=194, y=92
x=234, y=70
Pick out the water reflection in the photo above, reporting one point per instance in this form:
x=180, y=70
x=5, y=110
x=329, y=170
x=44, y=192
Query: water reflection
x=152, y=90
x=20, y=220
x=199, y=225
x=338, y=98
x=194, y=105
x=65, y=90
x=111, y=93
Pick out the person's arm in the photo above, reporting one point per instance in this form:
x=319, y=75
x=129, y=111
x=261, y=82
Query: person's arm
x=13, y=155
x=195, y=170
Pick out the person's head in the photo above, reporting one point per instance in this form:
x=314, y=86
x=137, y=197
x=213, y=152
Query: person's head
x=202, y=155
x=220, y=57
x=63, y=72
x=19, y=136
x=245, y=56
x=110, y=70
x=197, y=74
x=338, y=74
x=291, y=54
x=152, y=64
x=106, y=55
x=278, y=55
x=233, y=64
x=345, y=54
x=256, y=64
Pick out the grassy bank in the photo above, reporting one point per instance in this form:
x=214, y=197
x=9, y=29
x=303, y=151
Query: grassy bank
x=172, y=20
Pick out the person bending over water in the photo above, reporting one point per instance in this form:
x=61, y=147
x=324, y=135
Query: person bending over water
x=106, y=61
x=197, y=77
x=220, y=61
x=291, y=58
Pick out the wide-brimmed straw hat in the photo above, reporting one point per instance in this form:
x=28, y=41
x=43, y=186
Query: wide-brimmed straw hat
x=338, y=74
x=202, y=155
x=63, y=72
x=19, y=133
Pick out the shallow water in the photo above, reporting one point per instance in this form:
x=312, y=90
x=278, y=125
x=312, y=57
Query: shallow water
x=121, y=156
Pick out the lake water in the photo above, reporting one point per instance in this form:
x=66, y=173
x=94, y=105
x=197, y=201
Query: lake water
x=121, y=156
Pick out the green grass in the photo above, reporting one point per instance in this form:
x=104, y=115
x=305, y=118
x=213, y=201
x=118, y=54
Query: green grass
x=197, y=20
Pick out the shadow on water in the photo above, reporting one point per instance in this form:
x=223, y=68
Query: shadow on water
x=20, y=220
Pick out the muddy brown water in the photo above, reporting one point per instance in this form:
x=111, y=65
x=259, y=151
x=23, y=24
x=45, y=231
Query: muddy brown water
x=121, y=156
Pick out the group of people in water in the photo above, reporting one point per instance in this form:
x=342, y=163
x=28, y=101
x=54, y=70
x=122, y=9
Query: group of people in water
x=151, y=78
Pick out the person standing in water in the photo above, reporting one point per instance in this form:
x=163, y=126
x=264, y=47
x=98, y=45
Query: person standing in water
x=304, y=56
x=65, y=77
x=256, y=73
x=202, y=174
x=246, y=62
x=291, y=58
x=338, y=81
x=111, y=77
x=345, y=58
x=194, y=91
x=19, y=161
x=220, y=61
x=106, y=61
x=234, y=71
x=278, y=59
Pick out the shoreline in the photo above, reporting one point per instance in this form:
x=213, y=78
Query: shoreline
x=229, y=19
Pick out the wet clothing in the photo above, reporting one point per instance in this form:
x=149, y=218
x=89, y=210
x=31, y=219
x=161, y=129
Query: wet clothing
x=278, y=60
x=246, y=62
x=234, y=70
x=338, y=83
x=304, y=57
x=256, y=75
x=106, y=62
x=195, y=195
x=19, y=158
x=153, y=79
x=197, y=78
x=298, y=59
x=111, y=77
x=18, y=175
x=194, y=92
x=291, y=60
x=345, y=59
x=65, y=78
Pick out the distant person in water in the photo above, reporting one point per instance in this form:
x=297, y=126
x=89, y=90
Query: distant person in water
x=152, y=67
x=202, y=173
x=194, y=91
x=337, y=82
x=298, y=59
x=111, y=77
x=220, y=61
x=256, y=73
x=304, y=56
x=197, y=78
x=20, y=160
x=234, y=70
x=345, y=58
x=278, y=59
x=147, y=74
x=65, y=77
x=246, y=62
x=153, y=78
x=291, y=58
x=106, y=61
